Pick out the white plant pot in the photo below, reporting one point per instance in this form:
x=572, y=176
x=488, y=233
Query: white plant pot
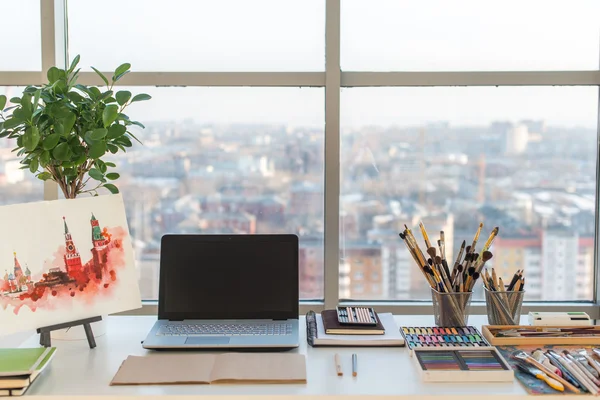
x=78, y=333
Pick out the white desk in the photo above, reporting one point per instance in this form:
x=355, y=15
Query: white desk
x=77, y=370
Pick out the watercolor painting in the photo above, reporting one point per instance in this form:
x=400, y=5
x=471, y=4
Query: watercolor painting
x=65, y=260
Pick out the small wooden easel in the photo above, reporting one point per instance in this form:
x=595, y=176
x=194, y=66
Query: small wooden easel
x=44, y=332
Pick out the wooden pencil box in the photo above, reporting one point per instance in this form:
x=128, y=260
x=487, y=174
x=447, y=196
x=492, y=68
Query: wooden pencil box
x=490, y=332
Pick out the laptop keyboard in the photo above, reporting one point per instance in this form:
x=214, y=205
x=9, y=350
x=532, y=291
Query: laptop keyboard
x=271, y=329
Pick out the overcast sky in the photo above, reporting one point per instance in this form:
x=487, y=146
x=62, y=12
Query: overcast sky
x=377, y=35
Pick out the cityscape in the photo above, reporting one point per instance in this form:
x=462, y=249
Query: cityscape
x=534, y=180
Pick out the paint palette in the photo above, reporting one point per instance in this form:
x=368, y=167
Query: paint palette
x=483, y=364
x=439, y=337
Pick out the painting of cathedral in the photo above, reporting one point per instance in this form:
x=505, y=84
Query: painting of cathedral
x=78, y=262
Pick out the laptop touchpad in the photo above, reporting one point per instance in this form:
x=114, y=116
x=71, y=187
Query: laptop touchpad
x=207, y=340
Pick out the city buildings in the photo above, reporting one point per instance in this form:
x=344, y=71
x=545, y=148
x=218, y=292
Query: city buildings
x=533, y=180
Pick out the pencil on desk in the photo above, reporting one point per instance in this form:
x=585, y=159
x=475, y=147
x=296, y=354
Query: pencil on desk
x=338, y=366
x=354, y=365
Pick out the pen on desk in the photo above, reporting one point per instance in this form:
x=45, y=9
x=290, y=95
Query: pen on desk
x=338, y=366
x=354, y=365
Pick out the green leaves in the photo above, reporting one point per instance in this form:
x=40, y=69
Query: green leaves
x=44, y=176
x=109, y=115
x=62, y=152
x=115, y=131
x=11, y=123
x=111, y=188
x=51, y=141
x=73, y=64
x=97, y=149
x=101, y=75
x=122, y=97
x=141, y=97
x=120, y=71
x=98, y=134
x=33, y=165
x=53, y=75
x=96, y=174
x=63, y=129
x=31, y=138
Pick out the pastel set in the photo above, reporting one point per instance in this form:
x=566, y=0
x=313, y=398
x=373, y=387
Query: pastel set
x=465, y=336
x=483, y=364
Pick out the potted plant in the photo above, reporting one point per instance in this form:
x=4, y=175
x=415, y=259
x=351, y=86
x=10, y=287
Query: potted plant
x=63, y=129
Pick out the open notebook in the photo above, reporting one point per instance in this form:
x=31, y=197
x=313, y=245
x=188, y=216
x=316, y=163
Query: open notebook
x=316, y=336
x=212, y=368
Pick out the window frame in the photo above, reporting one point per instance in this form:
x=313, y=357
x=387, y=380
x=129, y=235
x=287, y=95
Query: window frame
x=53, y=20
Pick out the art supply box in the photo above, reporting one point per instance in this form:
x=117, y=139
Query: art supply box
x=483, y=364
x=584, y=335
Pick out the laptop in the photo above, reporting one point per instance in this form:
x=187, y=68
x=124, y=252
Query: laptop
x=227, y=292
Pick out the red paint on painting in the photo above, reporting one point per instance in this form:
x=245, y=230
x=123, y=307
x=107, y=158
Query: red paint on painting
x=67, y=272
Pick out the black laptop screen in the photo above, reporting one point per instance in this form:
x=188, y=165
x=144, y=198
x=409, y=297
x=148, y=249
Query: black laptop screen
x=229, y=277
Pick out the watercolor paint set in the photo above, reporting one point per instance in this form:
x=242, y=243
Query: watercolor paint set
x=483, y=364
x=440, y=337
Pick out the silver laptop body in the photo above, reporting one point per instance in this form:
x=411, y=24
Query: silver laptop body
x=227, y=292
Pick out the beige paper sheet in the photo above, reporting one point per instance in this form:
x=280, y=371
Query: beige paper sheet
x=210, y=368
x=259, y=368
x=165, y=368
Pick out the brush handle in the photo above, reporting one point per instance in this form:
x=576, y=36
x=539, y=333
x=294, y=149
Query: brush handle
x=551, y=374
x=553, y=383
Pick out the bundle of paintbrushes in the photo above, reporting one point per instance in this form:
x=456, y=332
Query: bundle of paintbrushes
x=465, y=271
x=504, y=302
x=577, y=370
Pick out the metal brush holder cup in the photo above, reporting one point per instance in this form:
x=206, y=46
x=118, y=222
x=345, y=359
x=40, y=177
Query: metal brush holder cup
x=451, y=309
x=503, y=308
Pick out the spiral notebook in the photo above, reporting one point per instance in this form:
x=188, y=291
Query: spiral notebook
x=316, y=336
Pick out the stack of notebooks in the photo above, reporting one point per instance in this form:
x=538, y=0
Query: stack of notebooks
x=325, y=329
x=20, y=367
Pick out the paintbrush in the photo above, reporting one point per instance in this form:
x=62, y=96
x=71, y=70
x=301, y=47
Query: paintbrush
x=485, y=257
x=424, y=234
x=539, y=374
x=490, y=240
x=457, y=262
x=417, y=261
x=519, y=354
x=476, y=238
x=554, y=360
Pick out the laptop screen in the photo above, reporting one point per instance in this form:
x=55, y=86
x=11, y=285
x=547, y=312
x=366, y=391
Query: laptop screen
x=229, y=277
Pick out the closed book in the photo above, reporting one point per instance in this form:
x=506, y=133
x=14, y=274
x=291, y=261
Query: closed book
x=20, y=367
x=316, y=336
x=333, y=327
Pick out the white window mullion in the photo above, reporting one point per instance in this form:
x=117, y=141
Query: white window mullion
x=54, y=53
x=332, y=152
x=264, y=79
x=475, y=78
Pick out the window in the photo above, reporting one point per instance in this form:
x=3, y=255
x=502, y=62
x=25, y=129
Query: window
x=16, y=185
x=449, y=112
x=21, y=47
x=226, y=160
x=521, y=158
x=191, y=35
x=470, y=35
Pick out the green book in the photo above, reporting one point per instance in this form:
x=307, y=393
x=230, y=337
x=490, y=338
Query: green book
x=19, y=367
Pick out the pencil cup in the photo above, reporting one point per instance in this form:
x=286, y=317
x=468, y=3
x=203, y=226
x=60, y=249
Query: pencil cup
x=503, y=308
x=451, y=309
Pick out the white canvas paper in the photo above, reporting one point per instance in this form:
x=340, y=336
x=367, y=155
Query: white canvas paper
x=65, y=260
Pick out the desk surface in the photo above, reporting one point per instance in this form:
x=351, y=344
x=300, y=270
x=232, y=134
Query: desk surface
x=77, y=370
